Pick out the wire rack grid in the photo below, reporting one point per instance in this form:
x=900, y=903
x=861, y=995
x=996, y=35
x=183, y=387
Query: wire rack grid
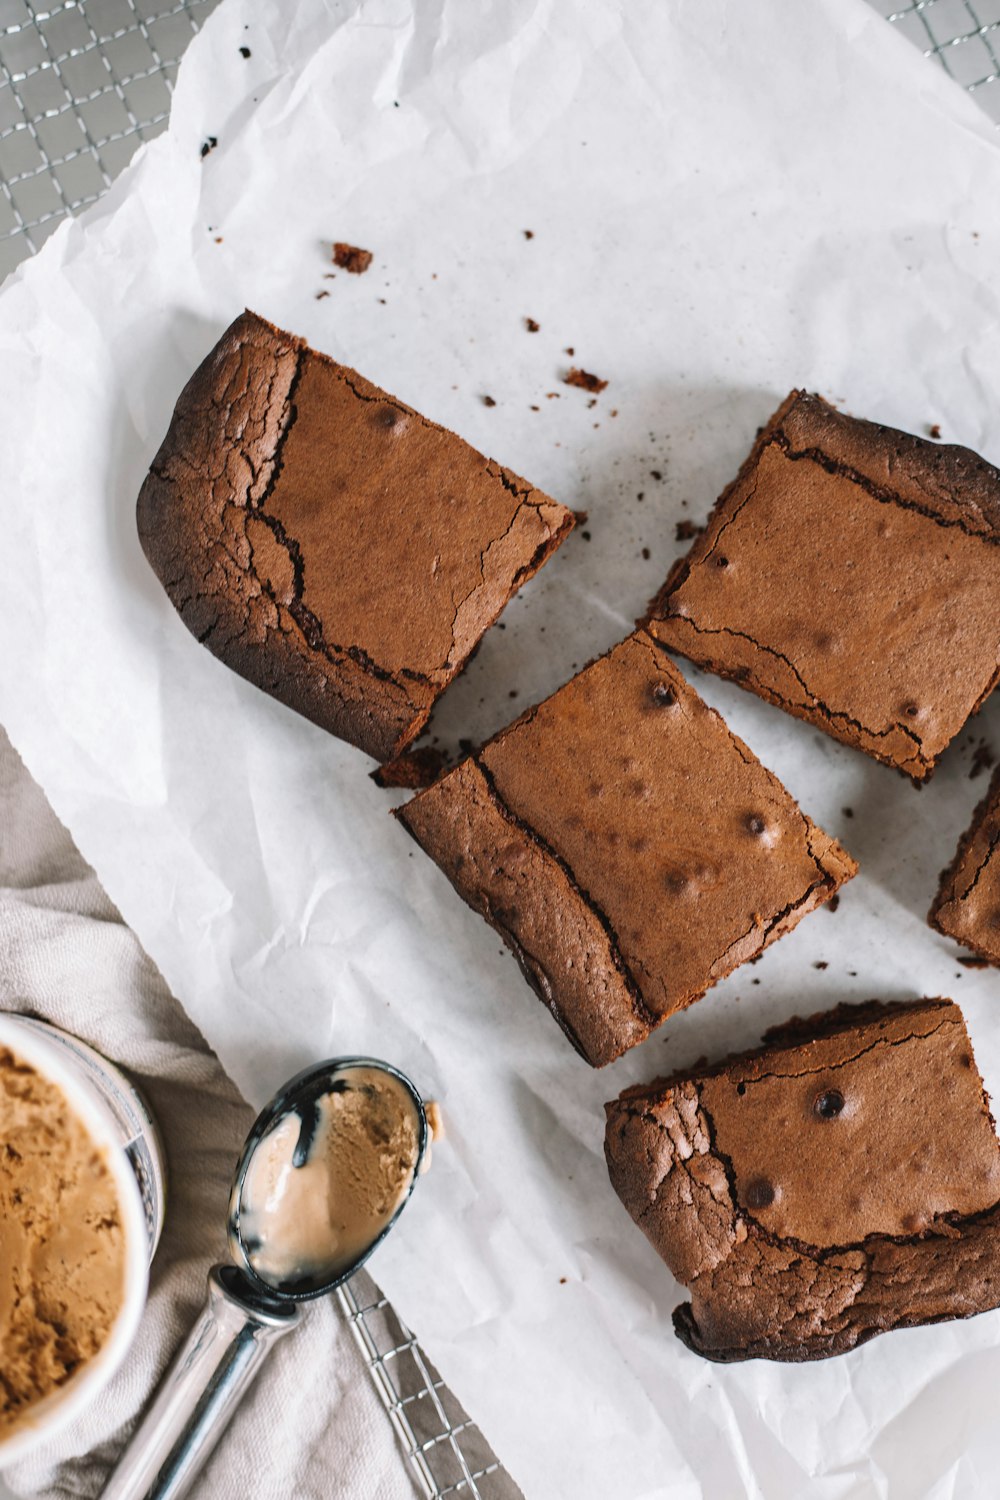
x=964, y=37
x=82, y=84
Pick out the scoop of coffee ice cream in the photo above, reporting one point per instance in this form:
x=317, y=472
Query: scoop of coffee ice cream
x=324, y=1182
x=62, y=1242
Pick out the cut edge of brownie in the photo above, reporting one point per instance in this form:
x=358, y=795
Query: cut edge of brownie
x=948, y=894
x=976, y=510
x=599, y=1039
x=262, y=631
x=879, y=1265
x=794, y=1032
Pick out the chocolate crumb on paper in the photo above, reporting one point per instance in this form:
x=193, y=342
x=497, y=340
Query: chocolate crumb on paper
x=244, y=52
x=413, y=769
x=585, y=381
x=934, y=430
x=488, y=401
x=833, y=903
x=209, y=145
x=982, y=758
x=351, y=258
x=686, y=531
x=531, y=325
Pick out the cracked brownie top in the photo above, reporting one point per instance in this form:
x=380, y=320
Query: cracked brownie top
x=627, y=846
x=851, y=575
x=329, y=543
x=841, y=1180
x=967, y=904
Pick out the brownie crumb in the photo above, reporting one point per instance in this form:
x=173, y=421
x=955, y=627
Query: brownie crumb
x=641, y=495
x=585, y=535
x=833, y=903
x=982, y=759
x=645, y=554
x=488, y=401
x=848, y=812
x=755, y=981
x=973, y=962
x=466, y=746
x=351, y=258
x=585, y=381
x=244, y=51
x=529, y=234
x=581, y=517
x=534, y=408
x=570, y=351
x=209, y=145
x=531, y=325
x=562, y=1281
x=657, y=475
x=414, y=769
x=821, y=964
x=934, y=430
x=321, y=295
x=686, y=531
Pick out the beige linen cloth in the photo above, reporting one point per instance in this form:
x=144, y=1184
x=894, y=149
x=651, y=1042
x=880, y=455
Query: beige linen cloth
x=312, y=1427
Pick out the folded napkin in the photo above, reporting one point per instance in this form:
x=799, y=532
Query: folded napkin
x=312, y=1425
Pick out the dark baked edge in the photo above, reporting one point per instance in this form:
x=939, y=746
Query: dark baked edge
x=950, y=464
x=884, y=1255
x=600, y=1045
x=339, y=688
x=987, y=807
x=794, y=1032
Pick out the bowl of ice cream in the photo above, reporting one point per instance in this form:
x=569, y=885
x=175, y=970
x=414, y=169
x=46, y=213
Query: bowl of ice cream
x=76, y=1235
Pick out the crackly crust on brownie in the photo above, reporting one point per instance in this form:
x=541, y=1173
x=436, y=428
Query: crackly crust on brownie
x=235, y=485
x=967, y=904
x=811, y=661
x=838, y=1182
x=628, y=848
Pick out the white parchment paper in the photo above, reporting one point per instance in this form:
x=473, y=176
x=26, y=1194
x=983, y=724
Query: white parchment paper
x=725, y=200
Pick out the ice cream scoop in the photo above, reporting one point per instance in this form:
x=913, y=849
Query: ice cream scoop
x=325, y=1172
x=320, y=1184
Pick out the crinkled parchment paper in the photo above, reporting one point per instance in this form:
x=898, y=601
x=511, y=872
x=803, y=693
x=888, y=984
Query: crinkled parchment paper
x=725, y=200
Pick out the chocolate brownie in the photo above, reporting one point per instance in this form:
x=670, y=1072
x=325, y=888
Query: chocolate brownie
x=967, y=905
x=841, y=1181
x=627, y=847
x=851, y=575
x=329, y=543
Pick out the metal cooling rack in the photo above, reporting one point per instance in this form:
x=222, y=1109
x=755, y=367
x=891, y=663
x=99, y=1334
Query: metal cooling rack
x=964, y=37
x=82, y=84
x=447, y=1452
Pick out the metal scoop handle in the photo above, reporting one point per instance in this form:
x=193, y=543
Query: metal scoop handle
x=201, y=1390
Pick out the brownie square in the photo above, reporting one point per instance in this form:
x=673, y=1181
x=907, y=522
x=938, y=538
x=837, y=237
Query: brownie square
x=838, y=1182
x=628, y=848
x=329, y=543
x=967, y=905
x=851, y=575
